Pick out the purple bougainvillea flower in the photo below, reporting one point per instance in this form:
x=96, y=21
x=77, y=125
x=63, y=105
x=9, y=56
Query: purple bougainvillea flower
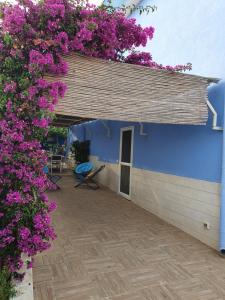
x=14, y=197
x=14, y=19
x=10, y=87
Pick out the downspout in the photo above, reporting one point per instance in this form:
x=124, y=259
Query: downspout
x=222, y=196
x=214, y=113
x=142, y=129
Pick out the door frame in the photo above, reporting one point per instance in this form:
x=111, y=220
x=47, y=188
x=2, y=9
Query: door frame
x=123, y=163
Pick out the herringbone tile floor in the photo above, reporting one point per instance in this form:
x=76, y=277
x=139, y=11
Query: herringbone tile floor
x=110, y=249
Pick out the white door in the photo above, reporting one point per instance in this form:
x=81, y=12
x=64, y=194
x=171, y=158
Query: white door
x=126, y=159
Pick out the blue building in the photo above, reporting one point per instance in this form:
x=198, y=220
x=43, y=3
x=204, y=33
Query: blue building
x=173, y=171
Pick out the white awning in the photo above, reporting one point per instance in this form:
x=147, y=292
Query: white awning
x=100, y=89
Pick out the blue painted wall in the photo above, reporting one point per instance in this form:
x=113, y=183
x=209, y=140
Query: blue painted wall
x=189, y=151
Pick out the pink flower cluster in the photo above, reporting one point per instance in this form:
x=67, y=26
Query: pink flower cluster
x=107, y=35
x=32, y=243
x=39, y=60
x=10, y=87
x=22, y=180
x=14, y=198
x=14, y=19
x=145, y=59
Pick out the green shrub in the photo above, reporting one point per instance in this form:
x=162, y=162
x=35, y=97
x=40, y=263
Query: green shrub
x=7, y=288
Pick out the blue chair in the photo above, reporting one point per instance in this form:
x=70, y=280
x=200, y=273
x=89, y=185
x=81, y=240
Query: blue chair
x=85, y=174
x=84, y=168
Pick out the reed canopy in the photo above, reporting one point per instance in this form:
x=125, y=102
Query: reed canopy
x=100, y=89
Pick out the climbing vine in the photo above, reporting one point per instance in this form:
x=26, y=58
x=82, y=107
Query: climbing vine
x=34, y=37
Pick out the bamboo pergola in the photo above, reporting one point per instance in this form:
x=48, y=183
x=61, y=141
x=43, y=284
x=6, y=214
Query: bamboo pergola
x=100, y=89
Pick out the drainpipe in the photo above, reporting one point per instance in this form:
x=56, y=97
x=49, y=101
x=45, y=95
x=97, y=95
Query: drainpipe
x=142, y=129
x=222, y=196
x=214, y=113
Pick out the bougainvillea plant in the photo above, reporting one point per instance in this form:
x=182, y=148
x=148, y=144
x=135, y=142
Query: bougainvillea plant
x=34, y=37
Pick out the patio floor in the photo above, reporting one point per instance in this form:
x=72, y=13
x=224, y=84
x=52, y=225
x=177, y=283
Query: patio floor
x=110, y=249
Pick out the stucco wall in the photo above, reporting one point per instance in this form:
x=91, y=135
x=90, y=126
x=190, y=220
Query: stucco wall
x=188, y=31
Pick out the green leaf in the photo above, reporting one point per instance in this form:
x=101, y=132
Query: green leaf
x=7, y=39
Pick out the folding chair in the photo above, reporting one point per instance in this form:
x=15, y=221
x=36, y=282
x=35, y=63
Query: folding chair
x=56, y=161
x=53, y=178
x=88, y=178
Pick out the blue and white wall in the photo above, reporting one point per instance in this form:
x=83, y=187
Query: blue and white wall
x=176, y=170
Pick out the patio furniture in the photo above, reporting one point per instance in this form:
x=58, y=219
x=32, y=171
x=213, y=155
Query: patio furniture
x=53, y=178
x=85, y=174
x=84, y=168
x=56, y=161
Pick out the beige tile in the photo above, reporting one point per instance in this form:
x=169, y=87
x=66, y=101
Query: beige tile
x=110, y=249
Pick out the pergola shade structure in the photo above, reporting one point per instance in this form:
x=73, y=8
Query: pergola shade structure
x=100, y=89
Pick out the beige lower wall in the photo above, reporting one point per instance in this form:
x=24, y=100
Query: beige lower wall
x=109, y=176
x=184, y=202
